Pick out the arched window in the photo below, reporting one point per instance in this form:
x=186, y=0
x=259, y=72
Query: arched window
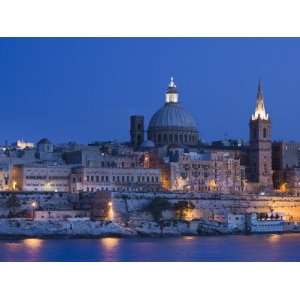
x=254, y=135
x=165, y=138
x=264, y=133
x=170, y=138
x=159, y=138
x=185, y=138
x=139, y=139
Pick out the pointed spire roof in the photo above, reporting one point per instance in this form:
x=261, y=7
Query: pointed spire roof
x=260, y=111
x=260, y=94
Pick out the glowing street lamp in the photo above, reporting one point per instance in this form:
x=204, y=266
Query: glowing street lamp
x=110, y=214
x=283, y=187
x=14, y=185
x=33, y=205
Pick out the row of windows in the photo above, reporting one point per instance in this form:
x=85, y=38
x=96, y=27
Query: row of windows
x=36, y=177
x=113, y=164
x=45, y=177
x=92, y=189
x=195, y=166
x=175, y=138
x=51, y=185
x=97, y=178
x=58, y=177
x=123, y=179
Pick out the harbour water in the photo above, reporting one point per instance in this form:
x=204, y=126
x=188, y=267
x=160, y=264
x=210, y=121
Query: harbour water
x=266, y=247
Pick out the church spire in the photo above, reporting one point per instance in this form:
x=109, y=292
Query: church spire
x=260, y=111
x=172, y=93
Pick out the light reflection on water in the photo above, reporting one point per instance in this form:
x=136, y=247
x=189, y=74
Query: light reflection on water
x=109, y=242
x=189, y=237
x=274, y=238
x=268, y=247
x=33, y=244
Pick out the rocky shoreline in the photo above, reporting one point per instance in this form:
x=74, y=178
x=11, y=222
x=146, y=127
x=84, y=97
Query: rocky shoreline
x=12, y=228
x=24, y=228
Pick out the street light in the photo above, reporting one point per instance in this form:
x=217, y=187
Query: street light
x=110, y=211
x=33, y=205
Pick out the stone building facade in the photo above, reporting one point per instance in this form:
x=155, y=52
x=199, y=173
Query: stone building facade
x=4, y=178
x=90, y=179
x=260, y=148
x=93, y=157
x=41, y=178
x=210, y=172
x=285, y=155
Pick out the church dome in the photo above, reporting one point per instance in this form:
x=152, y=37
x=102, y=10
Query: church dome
x=172, y=115
x=172, y=124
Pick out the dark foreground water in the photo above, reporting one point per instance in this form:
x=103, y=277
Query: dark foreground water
x=271, y=247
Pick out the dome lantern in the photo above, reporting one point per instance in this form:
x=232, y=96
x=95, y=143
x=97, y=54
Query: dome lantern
x=172, y=93
x=172, y=124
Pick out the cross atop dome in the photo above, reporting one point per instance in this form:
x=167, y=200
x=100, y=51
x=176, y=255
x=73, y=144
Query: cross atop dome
x=172, y=83
x=172, y=93
x=260, y=111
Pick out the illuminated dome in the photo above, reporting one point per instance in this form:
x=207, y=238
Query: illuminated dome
x=172, y=115
x=172, y=124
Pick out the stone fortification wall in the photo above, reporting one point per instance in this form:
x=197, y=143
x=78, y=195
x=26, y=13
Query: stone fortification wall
x=209, y=204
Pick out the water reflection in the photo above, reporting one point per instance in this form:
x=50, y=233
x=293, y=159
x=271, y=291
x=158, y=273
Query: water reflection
x=109, y=243
x=268, y=247
x=109, y=249
x=274, y=238
x=13, y=246
x=33, y=244
x=189, y=237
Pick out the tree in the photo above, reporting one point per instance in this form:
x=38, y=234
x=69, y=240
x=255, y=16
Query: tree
x=183, y=209
x=156, y=207
x=13, y=203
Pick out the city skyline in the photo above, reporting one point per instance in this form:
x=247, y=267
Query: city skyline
x=73, y=88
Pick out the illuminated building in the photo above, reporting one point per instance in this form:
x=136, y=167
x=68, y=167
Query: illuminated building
x=4, y=178
x=20, y=144
x=172, y=124
x=41, y=177
x=290, y=181
x=285, y=155
x=92, y=179
x=211, y=172
x=260, y=150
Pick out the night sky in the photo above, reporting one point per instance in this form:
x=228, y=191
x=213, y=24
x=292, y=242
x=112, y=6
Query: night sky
x=85, y=89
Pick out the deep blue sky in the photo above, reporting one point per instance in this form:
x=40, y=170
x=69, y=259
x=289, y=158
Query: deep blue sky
x=86, y=89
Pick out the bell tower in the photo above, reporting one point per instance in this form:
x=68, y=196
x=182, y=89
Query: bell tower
x=260, y=151
x=137, y=132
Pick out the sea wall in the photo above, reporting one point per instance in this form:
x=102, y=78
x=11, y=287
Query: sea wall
x=209, y=204
x=23, y=227
x=130, y=218
x=87, y=228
